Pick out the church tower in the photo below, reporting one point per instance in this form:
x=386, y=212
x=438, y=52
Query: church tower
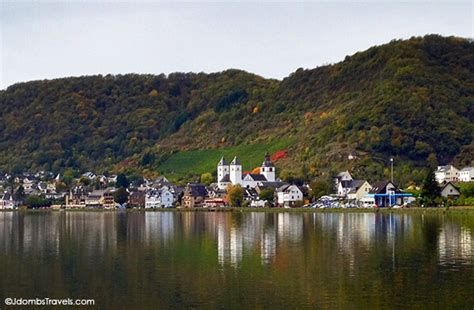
x=268, y=169
x=235, y=171
x=222, y=173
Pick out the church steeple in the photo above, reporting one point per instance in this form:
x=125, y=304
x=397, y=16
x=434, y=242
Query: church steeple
x=235, y=161
x=222, y=162
x=267, y=162
x=236, y=171
x=268, y=169
x=222, y=173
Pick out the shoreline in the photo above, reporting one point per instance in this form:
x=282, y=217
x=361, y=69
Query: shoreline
x=465, y=209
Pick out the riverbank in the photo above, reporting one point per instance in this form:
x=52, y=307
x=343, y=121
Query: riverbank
x=467, y=209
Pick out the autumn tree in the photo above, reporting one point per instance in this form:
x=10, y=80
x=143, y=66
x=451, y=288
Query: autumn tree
x=235, y=195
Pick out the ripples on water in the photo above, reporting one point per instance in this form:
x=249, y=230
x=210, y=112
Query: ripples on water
x=201, y=259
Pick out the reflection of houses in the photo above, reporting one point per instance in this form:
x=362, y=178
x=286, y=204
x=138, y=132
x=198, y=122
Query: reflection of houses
x=229, y=244
x=455, y=244
x=450, y=191
x=386, y=194
x=194, y=195
x=160, y=227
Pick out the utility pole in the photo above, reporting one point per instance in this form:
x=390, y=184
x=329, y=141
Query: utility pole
x=391, y=172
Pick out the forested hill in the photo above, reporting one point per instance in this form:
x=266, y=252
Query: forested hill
x=413, y=99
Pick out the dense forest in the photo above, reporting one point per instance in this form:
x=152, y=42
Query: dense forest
x=410, y=99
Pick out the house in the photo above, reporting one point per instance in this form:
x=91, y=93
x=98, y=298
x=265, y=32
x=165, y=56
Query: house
x=29, y=184
x=387, y=194
x=343, y=183
x=7, y=201
x=214, y=202
x=359, y=189
x=101, y=198
x=250, y=194
x=213, y=191
x=232, y=173
x=289, y=195
x=159, y=198
x=76, y=197
x=152, y=200
x=251, y=180
x=269, y=185
x=167, y=198
x=137, y=199
x=466, y=174
x=447, y=173
x=194, y=195
x=450, y=191
x=89, y=175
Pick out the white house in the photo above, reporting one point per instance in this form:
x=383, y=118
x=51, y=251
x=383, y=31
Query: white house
x=342, y=182
x=162, y=198
x=466, y=174
x=287, y=195
x=450, y=191
x=447, y=173
x=359, y=189
x=232, y=174
x=7, y=201
x=167, y=198
x=152, y=200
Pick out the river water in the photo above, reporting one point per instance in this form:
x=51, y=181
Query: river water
x=161, y=260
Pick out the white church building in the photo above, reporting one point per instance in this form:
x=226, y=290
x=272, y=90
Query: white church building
x=232, y=174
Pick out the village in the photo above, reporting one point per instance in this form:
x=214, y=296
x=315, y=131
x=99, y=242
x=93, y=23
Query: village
x=231, y=188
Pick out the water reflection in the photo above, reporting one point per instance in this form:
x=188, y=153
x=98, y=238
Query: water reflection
x=455, y=245
x=235, y=235
x=207, y=259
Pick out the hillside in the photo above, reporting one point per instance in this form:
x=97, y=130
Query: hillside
x=413, y=99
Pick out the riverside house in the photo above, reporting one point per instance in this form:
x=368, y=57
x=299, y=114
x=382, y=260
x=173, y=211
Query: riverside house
x=450, y=191
x=194, y=195
x=101, y=198
x=387, y=194
x=289, y=195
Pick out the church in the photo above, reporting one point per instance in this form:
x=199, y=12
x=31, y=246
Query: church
x=232, y=174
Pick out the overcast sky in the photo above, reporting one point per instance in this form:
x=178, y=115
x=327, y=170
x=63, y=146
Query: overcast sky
x=43, y=40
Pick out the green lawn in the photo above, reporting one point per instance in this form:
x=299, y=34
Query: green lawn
x=200, y=161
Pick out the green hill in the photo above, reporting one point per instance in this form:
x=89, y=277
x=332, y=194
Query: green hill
x=411, y=99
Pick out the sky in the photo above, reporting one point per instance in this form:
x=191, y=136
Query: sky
x=44, y=39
